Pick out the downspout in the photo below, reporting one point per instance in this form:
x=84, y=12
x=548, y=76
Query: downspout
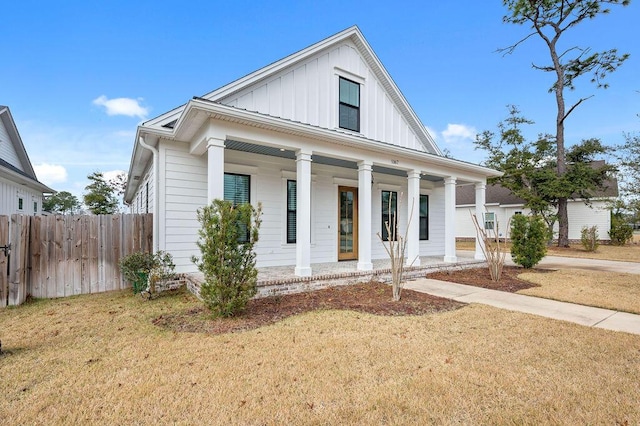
x=156, y=202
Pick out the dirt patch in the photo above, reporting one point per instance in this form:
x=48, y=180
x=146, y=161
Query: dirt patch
x=480, y=277
x=373, y=298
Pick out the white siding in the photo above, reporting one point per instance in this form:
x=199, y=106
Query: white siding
x=7, y=150
x=579, y=215
x=143, y=199
x=183, y=182
x=308, y=93
x=186, y=178
x=11, y=192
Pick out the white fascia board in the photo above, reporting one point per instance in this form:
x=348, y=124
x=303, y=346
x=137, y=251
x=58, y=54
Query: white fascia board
x=16, y=141
x=223, y=112
x=23, y=180
x=279, y=65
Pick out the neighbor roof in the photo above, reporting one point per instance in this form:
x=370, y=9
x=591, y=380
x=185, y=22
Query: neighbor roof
x=497, y=194
x=27, y=174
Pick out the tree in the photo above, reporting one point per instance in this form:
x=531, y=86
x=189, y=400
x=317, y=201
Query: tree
x=550, y=20
x=530, y=167
x=62, y=202
x=100, y=196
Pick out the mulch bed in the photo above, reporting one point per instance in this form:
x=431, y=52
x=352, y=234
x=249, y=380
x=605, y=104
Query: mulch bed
x=373, y=298
x=480, y=277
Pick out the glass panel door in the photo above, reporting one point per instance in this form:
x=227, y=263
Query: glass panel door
x=347, y=223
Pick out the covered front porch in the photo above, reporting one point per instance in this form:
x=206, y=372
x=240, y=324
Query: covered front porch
x=279, y=280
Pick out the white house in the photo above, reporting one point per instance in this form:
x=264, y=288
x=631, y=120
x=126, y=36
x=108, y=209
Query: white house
x=502, y=205
x=324, y=140
x=20, y=190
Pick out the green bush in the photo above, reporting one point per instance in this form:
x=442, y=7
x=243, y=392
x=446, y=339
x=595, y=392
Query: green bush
x=137, y=267
x=227, y=237
x=529, y=236
x=621, y=232
x=589, y=238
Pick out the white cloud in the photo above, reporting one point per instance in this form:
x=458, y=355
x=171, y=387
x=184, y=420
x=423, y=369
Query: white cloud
x=122, y=106
x=458, y=133
x=111, y=174
x=50, y=174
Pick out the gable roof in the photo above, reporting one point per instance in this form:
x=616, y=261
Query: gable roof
x=169, y=119
x=27, y=175
x=497, y=194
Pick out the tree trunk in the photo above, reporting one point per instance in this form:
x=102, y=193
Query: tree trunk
x=563, y=223
x=563, y=217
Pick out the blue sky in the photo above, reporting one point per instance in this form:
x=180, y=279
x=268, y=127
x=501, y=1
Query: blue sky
x=80, y=76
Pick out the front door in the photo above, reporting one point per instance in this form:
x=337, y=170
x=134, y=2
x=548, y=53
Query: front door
x=347, y=223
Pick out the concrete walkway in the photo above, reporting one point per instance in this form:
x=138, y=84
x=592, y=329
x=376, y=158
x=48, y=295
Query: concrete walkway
x=557, y=262
x=579, y=314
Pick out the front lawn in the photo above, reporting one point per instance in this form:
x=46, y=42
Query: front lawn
x=609, y=290
x=100, y=359
x=628, y=253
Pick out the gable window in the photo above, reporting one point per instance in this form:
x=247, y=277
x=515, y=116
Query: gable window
x=291, y=211
x=389, y=211
x=489, y=220
x=20, y=203
x=236, y=190
x=349, y=113
x=424, y=217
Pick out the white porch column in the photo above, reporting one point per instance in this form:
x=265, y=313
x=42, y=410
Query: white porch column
x=215, y=169
x=480, y=209
x=303, y=215
x=364, y=216
x=413, y=218
x=450, y=219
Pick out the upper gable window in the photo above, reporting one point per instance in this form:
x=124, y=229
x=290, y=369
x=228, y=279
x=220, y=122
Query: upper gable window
x=349, y=105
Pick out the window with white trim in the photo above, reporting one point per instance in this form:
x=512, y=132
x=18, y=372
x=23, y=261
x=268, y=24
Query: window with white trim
x=489, y=220
x=237, y=190
x=424, y=217
x=389, y=211
x=349, y=109
x=292, y=208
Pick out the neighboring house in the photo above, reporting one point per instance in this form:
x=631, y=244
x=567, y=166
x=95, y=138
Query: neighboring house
x=502, y=205
x=20, y=191
x=324, y=140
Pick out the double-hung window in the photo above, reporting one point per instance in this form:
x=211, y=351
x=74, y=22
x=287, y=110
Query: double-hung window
x=389, y=214
x=349, y=113
x=489, y=220
x=237, y=190
x=424, y=217
x=292, y=208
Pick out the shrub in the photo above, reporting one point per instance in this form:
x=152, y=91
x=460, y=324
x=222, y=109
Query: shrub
x=138, y=267
x=529, y=236
x=589, y=238
x=621, y=232
x=227, y=237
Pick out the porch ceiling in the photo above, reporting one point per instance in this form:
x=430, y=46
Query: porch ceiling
x=318, y=159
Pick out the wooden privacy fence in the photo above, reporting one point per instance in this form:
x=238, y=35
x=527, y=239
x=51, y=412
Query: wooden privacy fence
x=57, y=256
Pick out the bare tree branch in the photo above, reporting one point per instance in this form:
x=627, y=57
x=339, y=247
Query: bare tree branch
x=575, y=106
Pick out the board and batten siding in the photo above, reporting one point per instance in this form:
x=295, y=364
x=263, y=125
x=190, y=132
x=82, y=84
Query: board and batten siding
x=10, y=192
x=308, y=92
x=185, y=180
x=7, y=150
